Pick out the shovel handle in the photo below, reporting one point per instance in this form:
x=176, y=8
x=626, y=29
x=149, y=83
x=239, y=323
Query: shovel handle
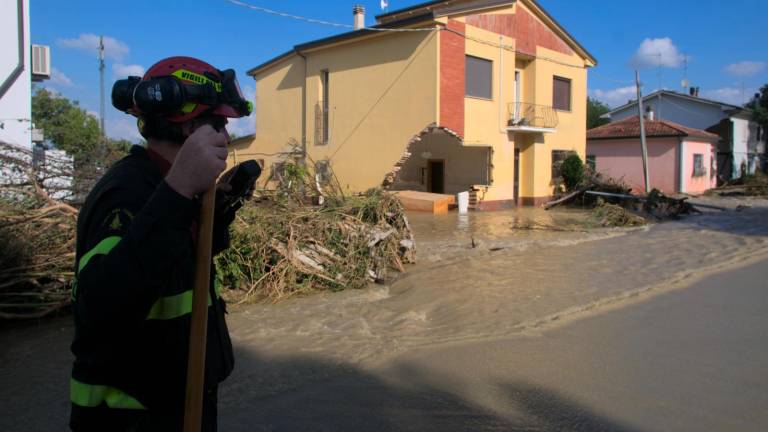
x=193, y=407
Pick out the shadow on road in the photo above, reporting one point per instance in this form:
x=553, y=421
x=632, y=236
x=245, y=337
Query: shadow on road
x=312, y=395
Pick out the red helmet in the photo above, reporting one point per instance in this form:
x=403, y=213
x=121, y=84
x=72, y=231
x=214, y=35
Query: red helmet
x=180, y=89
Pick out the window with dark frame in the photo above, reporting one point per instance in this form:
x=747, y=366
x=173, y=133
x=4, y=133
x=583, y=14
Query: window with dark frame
x=592, y=162
x=561, y=93
x=698, y=165
x=324, y=85
x=479, y=78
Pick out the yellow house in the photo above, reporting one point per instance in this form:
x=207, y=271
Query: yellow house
x=446, y=96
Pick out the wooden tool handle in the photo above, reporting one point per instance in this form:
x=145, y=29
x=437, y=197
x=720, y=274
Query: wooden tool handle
x=193, y=408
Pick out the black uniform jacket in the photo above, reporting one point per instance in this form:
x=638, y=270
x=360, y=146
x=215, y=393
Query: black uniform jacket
x=133, y=294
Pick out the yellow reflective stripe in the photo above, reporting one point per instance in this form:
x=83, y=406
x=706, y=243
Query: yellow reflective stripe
x=102, y=248
x=171, y=307
x=188, y=107
x=196, y=78
x=90, y=396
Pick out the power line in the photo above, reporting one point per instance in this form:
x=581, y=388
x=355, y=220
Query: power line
x=323, y=22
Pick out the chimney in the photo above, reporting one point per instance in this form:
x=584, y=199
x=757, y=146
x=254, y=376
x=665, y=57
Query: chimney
x=695, y=91
x=358, y=11
x=649, y=114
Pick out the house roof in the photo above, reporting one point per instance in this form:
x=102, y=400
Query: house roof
x=453, y=7
x=724, y=106
x=630, y=128
x=418, y=14
x=354, y=34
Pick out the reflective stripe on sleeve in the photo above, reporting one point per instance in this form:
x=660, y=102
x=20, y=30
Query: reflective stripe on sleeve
x=90, y=396
x=171, y=307
x=102, y=248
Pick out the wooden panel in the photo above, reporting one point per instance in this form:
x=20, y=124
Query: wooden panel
x=425, y=202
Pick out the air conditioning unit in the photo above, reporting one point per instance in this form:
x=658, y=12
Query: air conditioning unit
x=41, y=63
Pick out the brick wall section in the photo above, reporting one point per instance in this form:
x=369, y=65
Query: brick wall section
x=452, y=84
x=527, y=31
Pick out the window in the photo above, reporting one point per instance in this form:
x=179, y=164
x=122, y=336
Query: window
x=592, y=162
x=561, y=94
x=698, y=165
x=558, y=156
x=479, y=78
x=322, y=132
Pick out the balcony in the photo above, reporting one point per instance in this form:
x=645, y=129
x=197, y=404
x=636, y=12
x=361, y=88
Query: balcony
x=531, y=118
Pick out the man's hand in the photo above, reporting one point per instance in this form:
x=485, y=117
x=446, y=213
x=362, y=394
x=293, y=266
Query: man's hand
x=201, y=159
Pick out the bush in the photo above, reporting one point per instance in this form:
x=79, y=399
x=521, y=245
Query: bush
x=573, y=172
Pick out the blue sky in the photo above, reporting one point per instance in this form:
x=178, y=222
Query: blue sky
x=724, y=42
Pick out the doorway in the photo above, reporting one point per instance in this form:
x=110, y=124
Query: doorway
x=436, y=176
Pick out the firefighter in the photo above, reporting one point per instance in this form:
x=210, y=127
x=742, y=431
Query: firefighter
x=134, y=269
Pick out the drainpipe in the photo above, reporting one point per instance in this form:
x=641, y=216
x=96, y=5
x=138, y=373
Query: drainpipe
x=502, y=122
x=681, y=163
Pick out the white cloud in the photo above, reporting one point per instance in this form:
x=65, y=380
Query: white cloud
x=730, y=95
x=244, y=125
x=122, y=126
x=59, y=78
x=113, y=48
x=653, y=53
x=615, y=97
x=122, y=70
x=745, y=68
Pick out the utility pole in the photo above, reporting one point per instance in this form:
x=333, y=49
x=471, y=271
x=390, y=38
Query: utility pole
x=643, y=143
x=101, y=95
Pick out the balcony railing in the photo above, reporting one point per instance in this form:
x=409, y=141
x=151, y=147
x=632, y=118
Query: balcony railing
x=527, y=117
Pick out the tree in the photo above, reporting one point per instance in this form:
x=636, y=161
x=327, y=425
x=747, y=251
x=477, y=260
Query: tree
x=66, y=125
x=573, y=172
x=759, y=107
x=595, y=109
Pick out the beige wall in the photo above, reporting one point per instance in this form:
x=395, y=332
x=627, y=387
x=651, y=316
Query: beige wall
x=382, y=93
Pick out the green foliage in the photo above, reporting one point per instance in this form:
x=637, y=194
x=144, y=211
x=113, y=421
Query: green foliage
x=70, y=128
x=595, y=109
x=759, y=106
x=572, y=171
x=66, y=124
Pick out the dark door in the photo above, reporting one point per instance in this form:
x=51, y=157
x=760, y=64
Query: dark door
x=517, y=175
x=436, y=173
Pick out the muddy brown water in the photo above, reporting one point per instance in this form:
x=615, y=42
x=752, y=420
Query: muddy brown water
x=512, y=281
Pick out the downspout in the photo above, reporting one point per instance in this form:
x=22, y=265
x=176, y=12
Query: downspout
x=681, y=163
x=502, y=129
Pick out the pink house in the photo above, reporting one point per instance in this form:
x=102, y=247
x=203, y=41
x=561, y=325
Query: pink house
x=680, y=159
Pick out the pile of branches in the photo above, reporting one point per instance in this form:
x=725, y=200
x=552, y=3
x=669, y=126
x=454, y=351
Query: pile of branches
x=614, y=204
x=308, y=236
x=755, y=185
x=37, y=238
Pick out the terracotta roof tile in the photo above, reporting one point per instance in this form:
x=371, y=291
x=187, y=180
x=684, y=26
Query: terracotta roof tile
x=630, y=128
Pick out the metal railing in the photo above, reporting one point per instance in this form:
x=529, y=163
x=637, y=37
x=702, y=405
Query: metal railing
x=522, y=114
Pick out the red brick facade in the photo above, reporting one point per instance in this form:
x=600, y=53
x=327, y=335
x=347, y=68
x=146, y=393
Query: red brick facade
x=452, y=53
x=524, y=28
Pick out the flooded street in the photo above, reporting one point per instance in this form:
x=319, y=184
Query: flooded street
x=483, y=334
x=513, y=281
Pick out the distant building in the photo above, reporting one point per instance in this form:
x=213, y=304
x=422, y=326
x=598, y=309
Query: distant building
x=487, y=98
x=742, y=140
x=680, y=159
x=22, y=63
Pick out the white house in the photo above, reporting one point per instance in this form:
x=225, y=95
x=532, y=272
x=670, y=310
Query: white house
x=15, y=74
x=742, y=144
